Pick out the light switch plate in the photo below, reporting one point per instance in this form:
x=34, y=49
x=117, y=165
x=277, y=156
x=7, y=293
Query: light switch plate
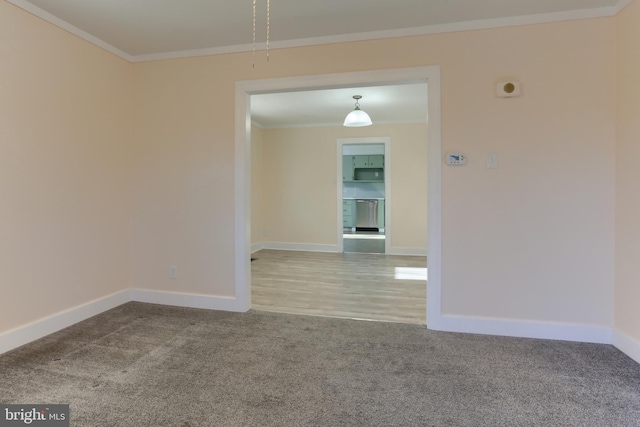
x=492, y=161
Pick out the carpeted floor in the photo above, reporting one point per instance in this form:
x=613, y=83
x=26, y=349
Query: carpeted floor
x=148, y=365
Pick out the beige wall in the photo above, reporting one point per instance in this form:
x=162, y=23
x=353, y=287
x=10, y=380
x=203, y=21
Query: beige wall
x=532, y=240
x=627, y=302
x=65, y=133
x=257, y=187
x=300, y=191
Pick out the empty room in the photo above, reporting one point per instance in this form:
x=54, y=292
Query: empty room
x=139, y=178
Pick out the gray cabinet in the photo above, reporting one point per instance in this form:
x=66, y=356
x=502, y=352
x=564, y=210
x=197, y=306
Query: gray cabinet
x=376, y=161
x=363, y=168
x=348, y=213
x=347, y=168
x=360, y=161
x=371, y=161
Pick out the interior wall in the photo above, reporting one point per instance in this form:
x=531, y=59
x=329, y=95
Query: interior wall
x=299, y=166
x=257, y=191
x=65, y=132
x=532, y=240
x=627, y=301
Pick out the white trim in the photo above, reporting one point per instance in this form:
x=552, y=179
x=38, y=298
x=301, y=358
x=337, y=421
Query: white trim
x=434, y=198
x=524, y=329
x=621, y=5
x=257, y=246
x=180, y=299
x=480, y=24
x=342, y=38
x=43, y=14
x=333, y=124
x=407, y=251
x=627, y=345
x=302, y=247
x=190, y=53
x=324, y=81
x=32, y=331
x=243, y=197
x=341, y=142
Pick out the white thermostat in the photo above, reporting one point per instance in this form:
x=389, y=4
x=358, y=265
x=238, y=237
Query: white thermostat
x=456, y=159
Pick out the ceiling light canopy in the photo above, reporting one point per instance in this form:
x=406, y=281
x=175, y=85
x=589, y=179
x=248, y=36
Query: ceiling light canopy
x=357, y=117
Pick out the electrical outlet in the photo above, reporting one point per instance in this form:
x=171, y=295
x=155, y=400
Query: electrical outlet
x=265, y=232
x=173, y=272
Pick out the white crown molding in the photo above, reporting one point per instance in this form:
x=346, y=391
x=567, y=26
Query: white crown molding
x=542, y=18
x=343, y=38
x=334, y=124
x=34, y=10
x=161, y=56
x=621, y=5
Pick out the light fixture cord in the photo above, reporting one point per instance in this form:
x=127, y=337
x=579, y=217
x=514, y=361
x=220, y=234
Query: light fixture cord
x=254, y=35
x=268, y=25
x=253, y=52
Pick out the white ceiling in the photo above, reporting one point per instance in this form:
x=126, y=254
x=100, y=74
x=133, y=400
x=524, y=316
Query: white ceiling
x=140, y=30
x=405, y=103
x=150, y=29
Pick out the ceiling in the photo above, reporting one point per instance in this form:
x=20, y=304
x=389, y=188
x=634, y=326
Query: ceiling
x=405, y=103
x=141, y=30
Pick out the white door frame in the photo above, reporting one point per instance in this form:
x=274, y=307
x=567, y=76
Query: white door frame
x=386, y=141
x=244, y=90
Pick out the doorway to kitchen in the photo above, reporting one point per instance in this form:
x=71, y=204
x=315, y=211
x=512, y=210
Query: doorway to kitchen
x=365, y=194
x=244, y=91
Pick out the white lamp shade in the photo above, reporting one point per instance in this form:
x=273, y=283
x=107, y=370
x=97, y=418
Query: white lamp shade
x=357, y=118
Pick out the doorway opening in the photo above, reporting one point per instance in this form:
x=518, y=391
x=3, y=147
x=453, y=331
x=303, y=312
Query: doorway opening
x=244, y=90
x=365, y=195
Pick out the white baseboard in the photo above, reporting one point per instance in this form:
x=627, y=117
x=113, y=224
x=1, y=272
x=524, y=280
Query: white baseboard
x=407, y=251
x=186, y=300
x=22, y=335
x=627, y=345
x=257, y=246
x=477, y=325
x=303, y=247
x=523, y=329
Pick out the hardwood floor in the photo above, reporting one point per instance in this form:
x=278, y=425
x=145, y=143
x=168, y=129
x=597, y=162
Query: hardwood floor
x=352, y=285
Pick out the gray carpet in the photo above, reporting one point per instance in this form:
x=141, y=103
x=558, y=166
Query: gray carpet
x=148, y=365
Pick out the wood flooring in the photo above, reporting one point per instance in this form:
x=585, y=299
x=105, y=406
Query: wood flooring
x=350, y=285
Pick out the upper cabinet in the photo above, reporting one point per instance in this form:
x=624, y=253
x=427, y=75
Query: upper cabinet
x=376, y=161
x=363, y=168
x=347, y=168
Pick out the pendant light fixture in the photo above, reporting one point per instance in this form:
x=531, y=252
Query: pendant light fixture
x=357, y=117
